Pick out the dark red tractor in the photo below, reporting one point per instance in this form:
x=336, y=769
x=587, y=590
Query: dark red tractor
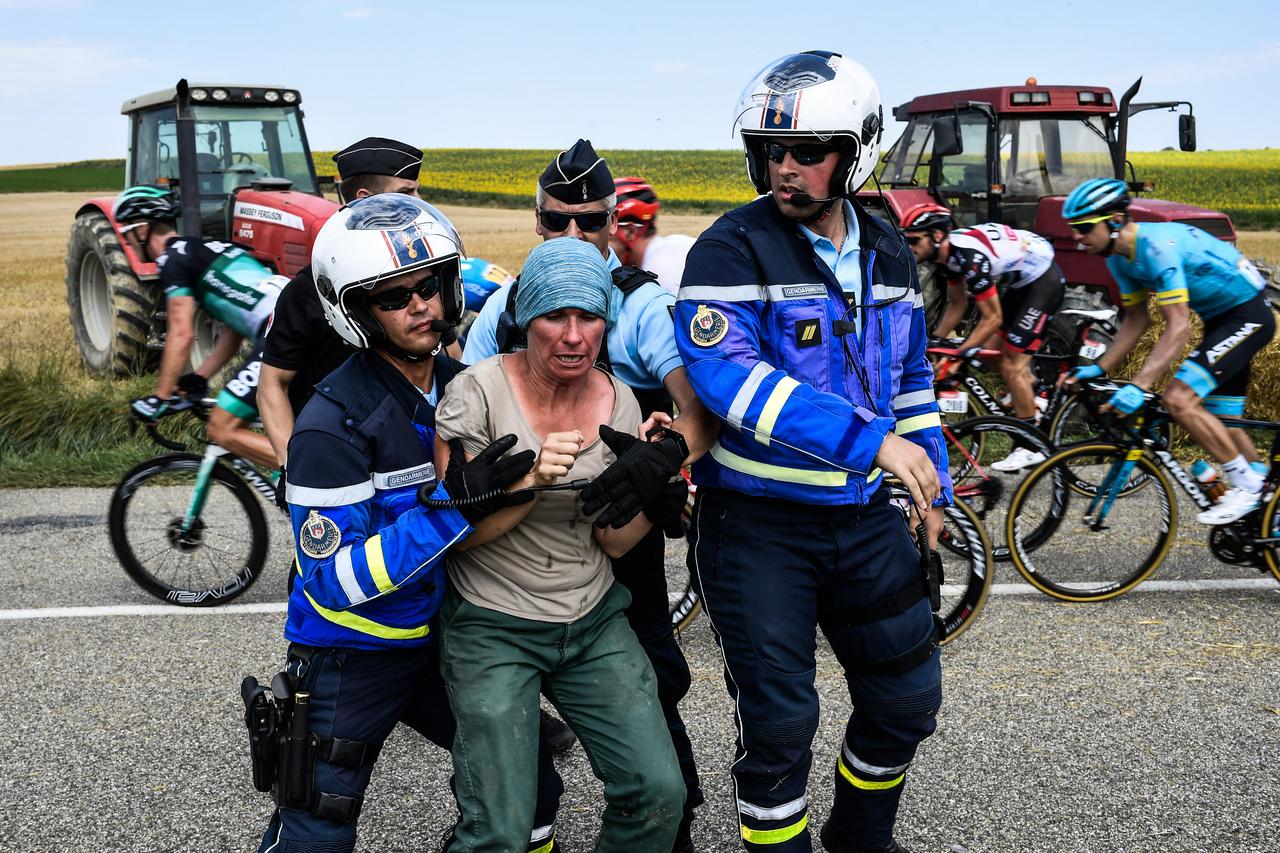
x=238, y=159
x=1011, y=154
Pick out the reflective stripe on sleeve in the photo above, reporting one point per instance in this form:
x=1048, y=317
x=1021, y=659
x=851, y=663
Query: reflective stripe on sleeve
x=881, y=292
x=742, y=400
x=736, y=293
x=772, y=408
x=366, y=626
x=347, y=576
x=775, y=836
x=734, y=462
x=1171, y=297
x=914, y=398
x=1138, y=298
x=918, y=422
x=377, y=567
x=773, y=812
x=341, y=496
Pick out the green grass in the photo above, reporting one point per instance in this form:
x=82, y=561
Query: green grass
x=58, y=428
x=85, y=176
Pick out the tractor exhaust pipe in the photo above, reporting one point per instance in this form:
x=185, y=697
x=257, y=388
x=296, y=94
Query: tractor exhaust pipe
x=188, y=170
x=1122, y=132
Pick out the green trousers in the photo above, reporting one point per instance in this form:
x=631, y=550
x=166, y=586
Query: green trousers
x=597, y=676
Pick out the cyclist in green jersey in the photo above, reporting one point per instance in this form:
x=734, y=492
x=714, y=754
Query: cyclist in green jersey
x=232, y=287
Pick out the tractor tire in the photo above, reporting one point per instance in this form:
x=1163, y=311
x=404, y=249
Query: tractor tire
x=111, y=310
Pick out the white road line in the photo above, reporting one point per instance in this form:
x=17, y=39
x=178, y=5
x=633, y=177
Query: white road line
x=140, y=610
x=1206, y=585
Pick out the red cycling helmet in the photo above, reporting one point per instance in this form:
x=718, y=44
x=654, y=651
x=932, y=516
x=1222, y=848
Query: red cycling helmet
x=926, y=216
x=637, y=206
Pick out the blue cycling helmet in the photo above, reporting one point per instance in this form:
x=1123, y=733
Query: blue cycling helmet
x=1096, y=197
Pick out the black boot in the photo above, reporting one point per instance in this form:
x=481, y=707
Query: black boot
x=558, y=736
x=834, y=844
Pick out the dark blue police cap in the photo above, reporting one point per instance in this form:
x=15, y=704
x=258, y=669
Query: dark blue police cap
x=375, y=155
x=577, y=175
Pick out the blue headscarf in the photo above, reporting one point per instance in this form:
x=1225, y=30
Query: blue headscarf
x=565, y=273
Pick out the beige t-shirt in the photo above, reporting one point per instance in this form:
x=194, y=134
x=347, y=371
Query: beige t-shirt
x=548, y=567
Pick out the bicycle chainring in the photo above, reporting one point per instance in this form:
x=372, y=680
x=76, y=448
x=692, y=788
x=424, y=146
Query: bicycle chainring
x=1231, y=544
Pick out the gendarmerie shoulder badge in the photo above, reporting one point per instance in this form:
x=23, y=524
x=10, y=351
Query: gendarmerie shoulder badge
x=319, y=536
x=708, y=327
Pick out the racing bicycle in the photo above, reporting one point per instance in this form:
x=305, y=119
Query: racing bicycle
x=966, y=556
x=1112, y=512
x=189, y=527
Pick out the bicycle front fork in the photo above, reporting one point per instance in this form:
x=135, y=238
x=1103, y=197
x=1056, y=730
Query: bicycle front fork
x=1110, y=489
x=201, y=492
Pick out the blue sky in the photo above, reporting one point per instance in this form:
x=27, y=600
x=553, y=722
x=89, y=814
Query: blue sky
x=653, y=74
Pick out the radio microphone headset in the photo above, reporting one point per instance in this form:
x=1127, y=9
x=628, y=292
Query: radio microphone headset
x=804, y=199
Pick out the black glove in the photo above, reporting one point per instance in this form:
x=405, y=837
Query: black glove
x=636, y=479
x=193, y=385
x=280, y=487
x=480, y=484
x=667, y=511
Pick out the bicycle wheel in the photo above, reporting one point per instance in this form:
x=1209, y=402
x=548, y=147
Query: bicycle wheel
x=972, y=446
x=218, y=556
x=966, y=569
x=1084, y=558
x=1072, y=425
x=1271, y=531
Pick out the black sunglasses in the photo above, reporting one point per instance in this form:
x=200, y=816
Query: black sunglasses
x=913, y=239
x=1083, y=228
x=589, y=222
x=805, y=153
x=398, y=297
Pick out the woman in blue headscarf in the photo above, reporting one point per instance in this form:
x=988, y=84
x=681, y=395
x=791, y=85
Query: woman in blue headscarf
x=532, y=605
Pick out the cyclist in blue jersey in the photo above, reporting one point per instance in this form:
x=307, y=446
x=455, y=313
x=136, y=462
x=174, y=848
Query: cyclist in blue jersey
x=232, y=287
x=1187, y=270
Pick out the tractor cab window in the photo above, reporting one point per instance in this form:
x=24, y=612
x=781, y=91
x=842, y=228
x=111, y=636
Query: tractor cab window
x=236, y=146
x=906, y=164
x=962, y=180
x=154, y=158
x=1048, y=156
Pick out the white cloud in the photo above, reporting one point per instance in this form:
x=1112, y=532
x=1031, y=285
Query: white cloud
x=357, y=14
x=27, y=69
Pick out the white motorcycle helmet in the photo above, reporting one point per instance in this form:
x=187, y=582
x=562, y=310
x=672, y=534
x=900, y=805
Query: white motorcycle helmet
x=375, y=238
x=819, y=94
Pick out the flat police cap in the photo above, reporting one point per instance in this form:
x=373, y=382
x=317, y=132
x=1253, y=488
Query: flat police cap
x=377, y=156
x=578, y=175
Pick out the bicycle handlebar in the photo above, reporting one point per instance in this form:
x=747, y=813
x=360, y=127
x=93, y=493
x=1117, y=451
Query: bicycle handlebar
x=199, y=408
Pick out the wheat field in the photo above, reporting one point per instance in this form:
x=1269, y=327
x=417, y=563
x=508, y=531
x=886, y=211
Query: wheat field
x=33, y=237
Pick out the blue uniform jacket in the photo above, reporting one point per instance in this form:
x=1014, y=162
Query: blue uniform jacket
x=767, y=339
x=370, y=557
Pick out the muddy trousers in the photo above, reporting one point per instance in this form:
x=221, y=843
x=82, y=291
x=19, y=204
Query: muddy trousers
x=769, y=571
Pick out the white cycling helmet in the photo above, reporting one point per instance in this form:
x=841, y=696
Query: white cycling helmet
x=820, y=94
x=373, y=239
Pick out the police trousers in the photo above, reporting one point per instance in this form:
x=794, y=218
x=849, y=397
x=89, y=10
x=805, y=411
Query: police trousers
x=361, y=695
x=769, y=573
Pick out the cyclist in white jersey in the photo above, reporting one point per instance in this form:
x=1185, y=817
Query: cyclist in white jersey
x=1012, y=277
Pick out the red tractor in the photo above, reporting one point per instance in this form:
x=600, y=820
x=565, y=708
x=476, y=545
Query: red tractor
x=1012, y=153
x=239, y=160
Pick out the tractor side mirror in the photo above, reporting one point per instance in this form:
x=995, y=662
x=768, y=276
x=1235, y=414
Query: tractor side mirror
x=946, y=137
x=1187, y=132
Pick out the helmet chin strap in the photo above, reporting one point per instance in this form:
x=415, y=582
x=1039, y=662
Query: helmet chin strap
x=1115, y=230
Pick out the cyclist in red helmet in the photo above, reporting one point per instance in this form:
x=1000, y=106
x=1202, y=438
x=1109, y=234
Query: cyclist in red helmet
x=637, y=241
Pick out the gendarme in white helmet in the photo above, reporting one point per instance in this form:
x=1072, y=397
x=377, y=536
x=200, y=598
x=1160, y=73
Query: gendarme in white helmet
x=820, y=94
x=376, y=238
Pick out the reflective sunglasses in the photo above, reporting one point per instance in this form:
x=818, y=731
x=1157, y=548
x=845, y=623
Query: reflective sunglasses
x=804, y=153
x=913, y=239
x=398, y=297
x=588, y=223
x=1084, y=226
